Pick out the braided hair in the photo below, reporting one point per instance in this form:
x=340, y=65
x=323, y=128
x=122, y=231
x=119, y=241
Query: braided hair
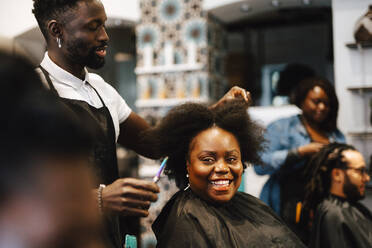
x=45, y=10
x=173, y=135
x=319, y=170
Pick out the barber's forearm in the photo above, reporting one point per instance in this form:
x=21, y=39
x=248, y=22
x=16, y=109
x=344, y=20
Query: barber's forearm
x=131, y=136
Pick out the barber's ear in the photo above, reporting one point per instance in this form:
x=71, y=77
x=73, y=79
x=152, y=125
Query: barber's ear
x=54, y=29
x=337, y=175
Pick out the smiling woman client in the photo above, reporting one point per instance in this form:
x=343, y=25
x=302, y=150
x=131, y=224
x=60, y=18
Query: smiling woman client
x=208, y=151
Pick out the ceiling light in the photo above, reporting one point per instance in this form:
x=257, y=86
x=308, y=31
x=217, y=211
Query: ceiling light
x=245, y=7
x=275, y=3
x=306, y=2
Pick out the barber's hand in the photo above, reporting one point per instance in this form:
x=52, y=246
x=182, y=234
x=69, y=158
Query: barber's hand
x=309, y=149
x=233, y=93
x=129, y=197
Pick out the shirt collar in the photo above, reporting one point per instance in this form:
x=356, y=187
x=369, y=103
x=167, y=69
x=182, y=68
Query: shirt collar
x=61, y=75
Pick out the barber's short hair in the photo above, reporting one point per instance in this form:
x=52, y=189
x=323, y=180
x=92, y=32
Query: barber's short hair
x=45, y=10
x=173, y=135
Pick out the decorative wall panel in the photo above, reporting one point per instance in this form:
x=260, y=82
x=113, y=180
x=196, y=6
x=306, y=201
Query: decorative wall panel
x=180, y=57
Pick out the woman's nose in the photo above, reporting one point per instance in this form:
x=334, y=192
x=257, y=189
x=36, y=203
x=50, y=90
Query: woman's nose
x=221, y=167
x=321, y=106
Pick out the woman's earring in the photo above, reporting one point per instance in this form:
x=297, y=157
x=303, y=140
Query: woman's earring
x=188, y=183
x=59, y=42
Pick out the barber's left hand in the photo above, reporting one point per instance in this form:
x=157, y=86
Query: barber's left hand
x=233, y=93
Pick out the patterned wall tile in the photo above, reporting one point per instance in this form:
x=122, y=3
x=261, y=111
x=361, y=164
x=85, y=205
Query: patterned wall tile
x=179, y=22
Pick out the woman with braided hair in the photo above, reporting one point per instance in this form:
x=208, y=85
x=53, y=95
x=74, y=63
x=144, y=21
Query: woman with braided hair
x=338, y=178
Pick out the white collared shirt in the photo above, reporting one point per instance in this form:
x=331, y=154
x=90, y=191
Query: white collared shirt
x=70, y=87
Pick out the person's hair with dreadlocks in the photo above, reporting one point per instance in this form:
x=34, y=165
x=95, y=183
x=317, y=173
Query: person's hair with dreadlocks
x=299, y=95
x=45, y=10
x=172, y=136
x=319, y=170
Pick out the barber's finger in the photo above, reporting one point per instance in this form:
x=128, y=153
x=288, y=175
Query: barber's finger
x=139, y=194
x=140, y=184
x=240, y=92
x=248, y=97
x=134, y=203
x=136, y=212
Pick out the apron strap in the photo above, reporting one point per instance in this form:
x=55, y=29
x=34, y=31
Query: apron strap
x=46, y=75
x=103, y=103
x=53, y=89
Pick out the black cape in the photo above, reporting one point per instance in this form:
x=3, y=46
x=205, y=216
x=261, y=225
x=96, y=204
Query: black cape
x=339, y=223
x=245, y=221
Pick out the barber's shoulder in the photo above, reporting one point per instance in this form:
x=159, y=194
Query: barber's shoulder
x=96, y=78
x=97, y=81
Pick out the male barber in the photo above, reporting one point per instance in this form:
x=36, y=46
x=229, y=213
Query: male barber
x=76, y=38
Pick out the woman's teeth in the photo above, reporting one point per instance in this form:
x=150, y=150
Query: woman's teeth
x=220, y=182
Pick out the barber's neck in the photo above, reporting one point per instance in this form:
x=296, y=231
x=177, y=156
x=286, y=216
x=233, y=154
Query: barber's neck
x=59, y=59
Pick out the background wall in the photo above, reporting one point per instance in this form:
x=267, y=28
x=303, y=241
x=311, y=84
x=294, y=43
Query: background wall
x=22, y=19
x=16, y=16
x=250, y=49
x=352, y=68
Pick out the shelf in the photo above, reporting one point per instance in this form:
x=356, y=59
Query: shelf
x=167, y=102
x=168, y=68
x=366, y=87
x=361, y=45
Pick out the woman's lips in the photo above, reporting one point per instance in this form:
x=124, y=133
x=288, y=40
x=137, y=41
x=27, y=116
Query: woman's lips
x=220, y=185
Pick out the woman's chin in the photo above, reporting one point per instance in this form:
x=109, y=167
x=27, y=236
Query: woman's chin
x=220, y=197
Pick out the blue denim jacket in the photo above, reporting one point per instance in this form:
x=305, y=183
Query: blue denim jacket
x=283, y=137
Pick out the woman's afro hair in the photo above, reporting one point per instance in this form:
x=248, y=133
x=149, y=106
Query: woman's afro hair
x=173, y=135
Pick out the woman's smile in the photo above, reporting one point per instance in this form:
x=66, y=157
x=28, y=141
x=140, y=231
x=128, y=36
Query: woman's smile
x=215, y=166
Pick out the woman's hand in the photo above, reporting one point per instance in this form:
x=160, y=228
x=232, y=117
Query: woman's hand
x=129, y=197
x=309, y=149
x=233, y=93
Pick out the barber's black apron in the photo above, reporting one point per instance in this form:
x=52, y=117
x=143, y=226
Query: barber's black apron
x=99, y=121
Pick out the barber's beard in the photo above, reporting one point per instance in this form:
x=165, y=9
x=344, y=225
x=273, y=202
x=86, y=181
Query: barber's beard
x=351, y=191
x=77, y=53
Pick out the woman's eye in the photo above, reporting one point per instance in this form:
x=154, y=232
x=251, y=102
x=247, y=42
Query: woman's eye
x=208, y=160
x=231, y=160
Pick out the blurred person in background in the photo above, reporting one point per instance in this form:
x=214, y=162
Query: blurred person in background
x=45, y=176
x=76, y=38
x=338, y=178
x=291, y=142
